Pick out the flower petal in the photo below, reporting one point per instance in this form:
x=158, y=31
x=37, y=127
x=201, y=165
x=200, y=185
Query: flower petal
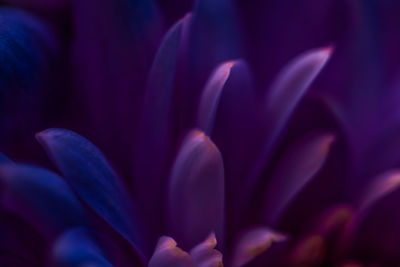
x=252, y=242
x=204, y=254
x=211, y=95
x=155, y=133
x=299, y=165
x=91, y=176
x=309, y=251
x=284, y=96
x=76, y=247
x=196, y=191
x=41, y=197
x=167, y=254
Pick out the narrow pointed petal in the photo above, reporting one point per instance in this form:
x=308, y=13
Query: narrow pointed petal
x=253, y=242
x=383, y=186
x=155, y=132
x=371, y=233
x=196, y=191
x=41, y=197
x=76, y=247
x=283, y=97
x=298, y=166
x=204, y=254
x=167, y=254
x=211, y=95
x=92, y=178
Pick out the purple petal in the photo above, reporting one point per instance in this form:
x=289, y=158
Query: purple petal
x=297, y=167
x=253, y=242
x=196, y=191
x=284, y=96
x=155, y=133
x=93, y=179
x=167, y=254
x=41, y=197
x=211, y=95
x=76, y=247
x=204, y=254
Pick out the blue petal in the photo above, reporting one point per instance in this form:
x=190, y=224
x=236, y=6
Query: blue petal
x=41, y=197
x=196, y=191
x=155, y=131
x=76, y=247
x=90, y=175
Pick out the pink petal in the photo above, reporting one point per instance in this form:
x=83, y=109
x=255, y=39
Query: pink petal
x=204, y=254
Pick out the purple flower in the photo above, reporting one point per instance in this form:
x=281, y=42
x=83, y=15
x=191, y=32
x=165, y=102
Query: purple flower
x=231, y=139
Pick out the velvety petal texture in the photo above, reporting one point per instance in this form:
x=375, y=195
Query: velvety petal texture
x=196, y=191
x=76, y=247
x=92, y=178
x=41, y=197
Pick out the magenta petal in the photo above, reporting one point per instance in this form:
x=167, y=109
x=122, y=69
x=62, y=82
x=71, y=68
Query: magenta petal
x=92, y=178
x=40, y=197
x=167, y=254
x=211, y=95
x=155, y=132
x=76, y=247
x=252, y=242
x=298, y=166
x=204, y=254
x=283, y=97
x=196, y=191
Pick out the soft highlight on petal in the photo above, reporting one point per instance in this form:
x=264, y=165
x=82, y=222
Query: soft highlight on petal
x=196, y=191
x=298, y=166
x=93, y=179
x=167, y=254
x=210, y=98
x=252, y=242
x=204, y=254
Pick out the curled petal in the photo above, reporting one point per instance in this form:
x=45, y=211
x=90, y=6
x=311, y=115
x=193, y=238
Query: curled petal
x=76, y=247
x=196, y=191
x=210, y=98
x=204, y=254
x=298, y=166
x=252, y=242
x=167, y=254
x=41, y=197
x=155, y=132
x=284, y=96
x=93, y=179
